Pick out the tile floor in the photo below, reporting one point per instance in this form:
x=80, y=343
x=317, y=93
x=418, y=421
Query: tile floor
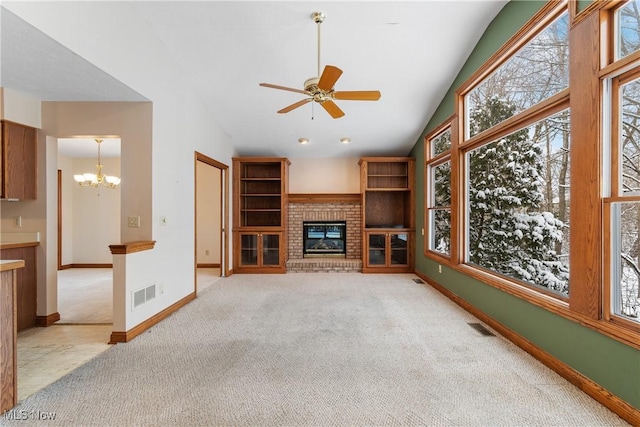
x=46, y=354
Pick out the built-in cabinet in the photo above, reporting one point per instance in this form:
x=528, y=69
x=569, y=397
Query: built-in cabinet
x=260, y=186
x=17, y=161
x=388, y=215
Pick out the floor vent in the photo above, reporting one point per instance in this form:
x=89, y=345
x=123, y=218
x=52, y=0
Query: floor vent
x=481, y=329
x=144, y=295
x=418, y=281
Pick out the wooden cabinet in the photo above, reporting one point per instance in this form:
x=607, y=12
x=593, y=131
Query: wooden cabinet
x=17, y=161
x=388, y=212
x=8, y=335
x=26, y=284
x=260, y=186
x=387, y=249
x=260, y=250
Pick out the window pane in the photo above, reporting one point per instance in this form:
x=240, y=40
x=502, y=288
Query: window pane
x=630, y=99
x=518, y=204
x=441, y=143
x=537, y=71
x=440, y=231
x=625, y=298
x=441, y=184
x=628, y=29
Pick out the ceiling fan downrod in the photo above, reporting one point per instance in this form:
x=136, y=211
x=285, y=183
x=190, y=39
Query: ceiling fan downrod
x=318, y=18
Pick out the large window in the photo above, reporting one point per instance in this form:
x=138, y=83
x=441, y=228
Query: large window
x=537, y=71
x=621, y=88
x=514, y=225
x=516, y=169
x=438, y=197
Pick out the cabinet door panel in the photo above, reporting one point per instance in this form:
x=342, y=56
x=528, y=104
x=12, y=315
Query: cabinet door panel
x=249, y=249
x=377, y=249
x=271, y=249
x=399, y=249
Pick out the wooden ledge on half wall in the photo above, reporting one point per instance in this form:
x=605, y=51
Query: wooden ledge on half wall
x=131, y=247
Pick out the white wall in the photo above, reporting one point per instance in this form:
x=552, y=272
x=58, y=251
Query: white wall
x=158, y=166
x=20, y=108
x=65, y=164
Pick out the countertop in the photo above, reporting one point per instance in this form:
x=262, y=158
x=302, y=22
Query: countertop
x=11, y=264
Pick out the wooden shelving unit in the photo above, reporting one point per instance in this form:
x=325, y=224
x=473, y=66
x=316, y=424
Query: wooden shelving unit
x=388, y=208
x=260, y=186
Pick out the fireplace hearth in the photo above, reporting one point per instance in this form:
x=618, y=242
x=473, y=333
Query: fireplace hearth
x=324, y=239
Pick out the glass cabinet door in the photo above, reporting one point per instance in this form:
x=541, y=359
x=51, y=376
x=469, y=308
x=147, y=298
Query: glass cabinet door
x=399, y=243
x=249, y=249
x=377, y=249
x=270, y=249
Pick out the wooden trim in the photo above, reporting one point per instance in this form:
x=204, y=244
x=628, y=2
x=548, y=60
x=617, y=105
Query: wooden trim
x=325, y=198
x=64, y=267
x=586, y=180
x=122, y=337
x=18, y=245
x=59, y=219
x=597, y=392
x=48, y=320
x=88, y=265
x=224, y=210
x=205, y=265
x=131, y=247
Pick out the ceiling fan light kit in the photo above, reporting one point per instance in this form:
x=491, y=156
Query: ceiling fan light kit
x=321, y=89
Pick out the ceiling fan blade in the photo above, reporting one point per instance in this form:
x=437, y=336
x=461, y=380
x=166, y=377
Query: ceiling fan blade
x=331, y=108
x=358, y=95
x=329, y=77
x=290, y=89
x=294, y=106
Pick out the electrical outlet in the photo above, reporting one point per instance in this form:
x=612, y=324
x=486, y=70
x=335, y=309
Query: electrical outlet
x=423, y=231
x=18, y=222
x=134, y=221
x=206, y=252
x=439, y=268
x=163, y=220
x=161, y=288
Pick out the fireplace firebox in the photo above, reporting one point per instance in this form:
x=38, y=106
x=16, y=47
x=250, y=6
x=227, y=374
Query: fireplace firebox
x=321, y=238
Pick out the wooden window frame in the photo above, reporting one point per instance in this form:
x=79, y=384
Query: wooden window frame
x=590, y=45
x=613, y=74
x=431, y=161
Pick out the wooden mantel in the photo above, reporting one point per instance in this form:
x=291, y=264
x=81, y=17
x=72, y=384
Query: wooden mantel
x=325, y=198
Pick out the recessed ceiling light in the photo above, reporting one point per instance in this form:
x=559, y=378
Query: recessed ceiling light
x=345, y=140
x=303, y=141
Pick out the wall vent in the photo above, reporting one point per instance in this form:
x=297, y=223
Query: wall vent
x=481, y=329
x=144, y=295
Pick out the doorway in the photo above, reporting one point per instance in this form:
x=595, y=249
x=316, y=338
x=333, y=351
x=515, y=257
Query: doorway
x=211, y=220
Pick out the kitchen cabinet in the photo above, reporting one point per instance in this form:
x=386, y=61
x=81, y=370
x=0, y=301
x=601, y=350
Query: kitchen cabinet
x=18, y=165
x=26, y=283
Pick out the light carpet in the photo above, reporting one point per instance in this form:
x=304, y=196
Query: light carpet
x=316, y=349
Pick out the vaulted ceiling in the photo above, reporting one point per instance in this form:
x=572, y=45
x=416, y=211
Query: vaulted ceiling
x=408, y=50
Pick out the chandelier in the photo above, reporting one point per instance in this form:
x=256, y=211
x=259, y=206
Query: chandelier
x=95, y=179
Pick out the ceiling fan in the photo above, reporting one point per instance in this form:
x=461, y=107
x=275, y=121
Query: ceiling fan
x=320, y=89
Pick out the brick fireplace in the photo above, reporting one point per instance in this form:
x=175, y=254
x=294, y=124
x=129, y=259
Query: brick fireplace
x=325, y=207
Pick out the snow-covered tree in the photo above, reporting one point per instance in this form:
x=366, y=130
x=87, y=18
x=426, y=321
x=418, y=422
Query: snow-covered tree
x=509, y=232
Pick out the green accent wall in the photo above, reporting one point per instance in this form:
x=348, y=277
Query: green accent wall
x=607, y=362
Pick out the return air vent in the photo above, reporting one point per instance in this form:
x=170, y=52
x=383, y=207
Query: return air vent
x=144, y=295
x=481, y=329
x=418, y=281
